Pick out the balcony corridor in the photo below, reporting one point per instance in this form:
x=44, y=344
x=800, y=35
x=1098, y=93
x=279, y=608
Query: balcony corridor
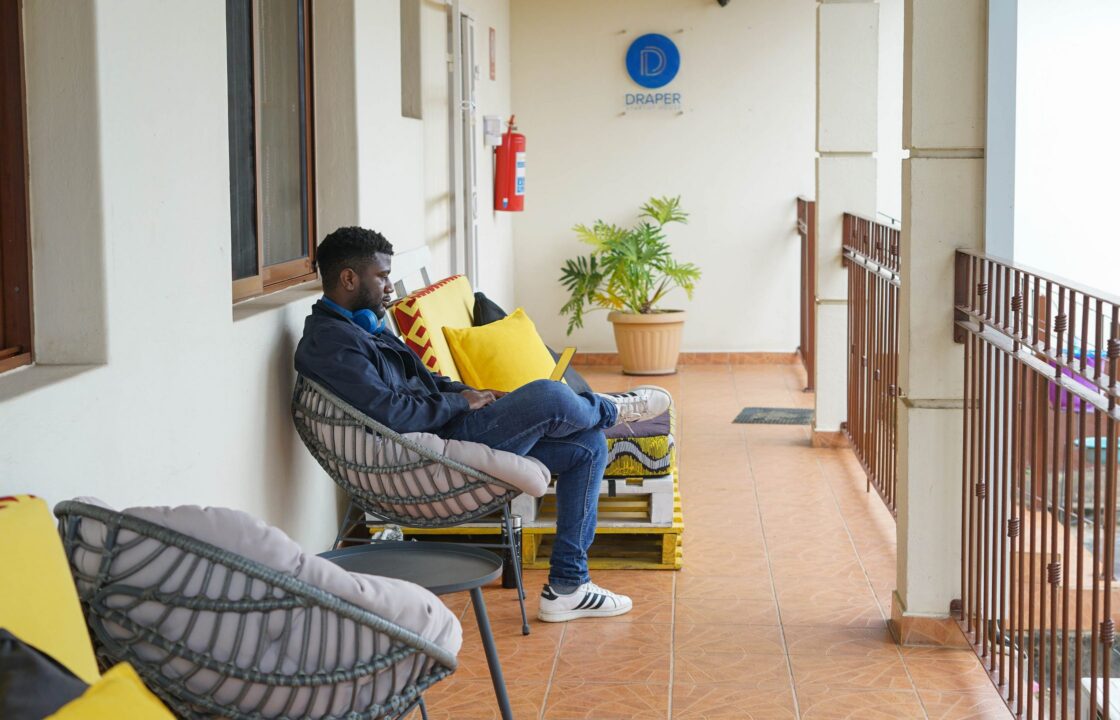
x=780, y=610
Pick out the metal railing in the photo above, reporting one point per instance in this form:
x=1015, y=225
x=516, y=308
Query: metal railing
x=871, y=254
x=807, y=229
x=1038, y=497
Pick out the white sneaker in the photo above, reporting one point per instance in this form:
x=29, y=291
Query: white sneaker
x=644, y=402
x=588, y=600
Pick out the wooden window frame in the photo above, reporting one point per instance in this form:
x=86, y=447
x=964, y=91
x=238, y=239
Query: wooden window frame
x=16, y=330
x=271, y=278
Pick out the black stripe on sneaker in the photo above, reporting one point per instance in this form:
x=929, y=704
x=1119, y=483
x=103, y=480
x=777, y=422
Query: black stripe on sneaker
x=602, y=599
x=548, y=594
x=584, y=603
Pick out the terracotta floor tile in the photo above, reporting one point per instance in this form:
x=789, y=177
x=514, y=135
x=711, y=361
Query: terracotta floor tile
x=708, y=702
x=788, y=575
x=823, y=703
x=607, y=701
x=459, y=699
x=519, y=664
x=754, y=671
x=523, y=658
x=731, y=587
x=630, y=639
x=955, y=672
x=869, y=615
x=694, y=610
x=695, y=639
x=607, y=664
x=709, y=559
x=509, y=627
x=839, y=640
x=829, y=593
x=850, y=672
x=964, y=706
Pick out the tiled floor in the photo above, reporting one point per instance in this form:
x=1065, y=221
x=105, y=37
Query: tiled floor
x=778, y=613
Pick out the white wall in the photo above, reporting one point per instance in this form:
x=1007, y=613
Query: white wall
x=1066, y=180
x=192, y=403
x=495, y=237
x=738, y=156
x=890, y=153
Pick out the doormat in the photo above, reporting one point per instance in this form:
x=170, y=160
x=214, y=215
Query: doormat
x=775, y=416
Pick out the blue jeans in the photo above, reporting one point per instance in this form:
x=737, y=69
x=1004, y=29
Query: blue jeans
x=546, y=420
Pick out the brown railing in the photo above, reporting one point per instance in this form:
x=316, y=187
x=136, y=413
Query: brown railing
x=871, y=256
x=807, y=229
x=1038, y=562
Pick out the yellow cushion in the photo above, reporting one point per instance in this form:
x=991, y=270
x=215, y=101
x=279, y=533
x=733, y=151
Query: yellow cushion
x=422, y=316
x=119, y=694
x=38, y=602
x=502, y=355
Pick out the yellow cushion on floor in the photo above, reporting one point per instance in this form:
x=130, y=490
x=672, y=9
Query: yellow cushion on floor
x=502, y=355
x=38, y=602
x=119, y=694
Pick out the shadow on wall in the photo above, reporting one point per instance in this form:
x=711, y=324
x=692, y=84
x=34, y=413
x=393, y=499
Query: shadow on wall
x=286, y=457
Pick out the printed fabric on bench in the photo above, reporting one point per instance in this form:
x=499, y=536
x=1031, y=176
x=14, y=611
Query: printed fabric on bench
x=644, y=449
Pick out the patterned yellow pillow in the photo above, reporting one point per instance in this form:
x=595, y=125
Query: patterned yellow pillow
x=422, y=315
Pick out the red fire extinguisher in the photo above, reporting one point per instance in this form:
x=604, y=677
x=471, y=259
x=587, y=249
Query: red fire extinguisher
x=509, y=173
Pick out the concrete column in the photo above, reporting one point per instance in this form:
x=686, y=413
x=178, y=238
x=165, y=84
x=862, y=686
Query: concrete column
x=847, y=132
x=944, y=83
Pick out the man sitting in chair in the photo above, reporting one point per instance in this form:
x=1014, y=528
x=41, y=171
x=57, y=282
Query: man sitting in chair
x=345, y=348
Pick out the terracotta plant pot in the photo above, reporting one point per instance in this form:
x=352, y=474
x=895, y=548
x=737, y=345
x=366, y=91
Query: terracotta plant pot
x=648, y=344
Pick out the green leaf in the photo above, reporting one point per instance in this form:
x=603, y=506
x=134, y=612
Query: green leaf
x=629, y=269
x=664, y=210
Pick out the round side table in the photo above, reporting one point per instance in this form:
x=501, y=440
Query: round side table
x=440, y=568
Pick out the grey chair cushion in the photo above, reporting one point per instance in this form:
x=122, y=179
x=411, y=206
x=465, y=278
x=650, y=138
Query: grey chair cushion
x=287, y=642
x=367, y=459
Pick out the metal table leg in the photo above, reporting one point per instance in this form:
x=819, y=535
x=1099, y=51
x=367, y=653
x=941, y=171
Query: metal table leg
x=491, y=653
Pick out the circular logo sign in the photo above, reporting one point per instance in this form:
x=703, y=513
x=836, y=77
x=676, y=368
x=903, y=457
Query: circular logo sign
x=653, y=60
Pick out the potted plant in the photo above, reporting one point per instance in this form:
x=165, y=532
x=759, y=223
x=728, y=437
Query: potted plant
x=627, y=273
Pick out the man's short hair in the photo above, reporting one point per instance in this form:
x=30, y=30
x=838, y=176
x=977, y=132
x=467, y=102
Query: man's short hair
x=348, y=247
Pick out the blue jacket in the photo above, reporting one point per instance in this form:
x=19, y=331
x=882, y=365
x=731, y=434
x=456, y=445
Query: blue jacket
x=377, y=374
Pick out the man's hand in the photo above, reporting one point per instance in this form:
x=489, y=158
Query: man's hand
x=478, y=399
x=497, y=393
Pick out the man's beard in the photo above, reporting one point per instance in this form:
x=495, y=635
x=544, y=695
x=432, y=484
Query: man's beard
x=367, y=300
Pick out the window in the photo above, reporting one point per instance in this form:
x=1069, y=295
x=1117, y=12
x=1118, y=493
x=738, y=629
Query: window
x=271, y=154
x=15, y=240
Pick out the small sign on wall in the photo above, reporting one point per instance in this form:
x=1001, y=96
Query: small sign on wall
x=652, y=62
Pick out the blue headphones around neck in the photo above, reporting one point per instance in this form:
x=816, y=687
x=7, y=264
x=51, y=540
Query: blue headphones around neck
x=365, y=318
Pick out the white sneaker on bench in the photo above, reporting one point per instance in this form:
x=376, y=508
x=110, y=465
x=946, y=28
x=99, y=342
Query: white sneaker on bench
x=588, y=600
x=644, y=402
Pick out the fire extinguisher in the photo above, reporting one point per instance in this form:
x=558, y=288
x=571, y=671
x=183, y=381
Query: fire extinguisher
x=509, y=173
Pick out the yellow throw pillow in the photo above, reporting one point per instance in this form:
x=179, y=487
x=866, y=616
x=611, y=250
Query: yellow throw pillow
x=38, y=602
x=120, y=693
x=502, y=355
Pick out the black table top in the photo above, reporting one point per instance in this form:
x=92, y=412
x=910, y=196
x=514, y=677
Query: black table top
x=439, y=567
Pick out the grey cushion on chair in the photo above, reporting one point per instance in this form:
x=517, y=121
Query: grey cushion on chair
x=271, y=642
x=356, y=446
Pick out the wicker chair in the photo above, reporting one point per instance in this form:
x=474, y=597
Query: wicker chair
x=405, y=479
x=216, y=634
